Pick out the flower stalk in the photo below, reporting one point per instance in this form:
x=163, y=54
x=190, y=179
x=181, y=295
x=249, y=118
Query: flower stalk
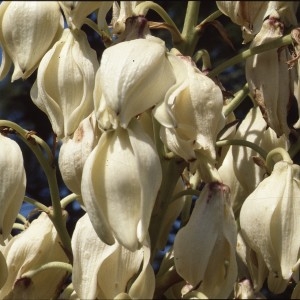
x=243, y=143
x=280, y=42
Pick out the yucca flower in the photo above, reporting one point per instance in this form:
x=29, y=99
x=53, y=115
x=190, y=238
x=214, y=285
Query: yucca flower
x=204, y=249
x=29, y=250
x=12, y=184
x=120, y=182
x=65, y=81
x=75, y=150
x=27, y=31
x=102, y=271
x=272, y=228
x=129, y=84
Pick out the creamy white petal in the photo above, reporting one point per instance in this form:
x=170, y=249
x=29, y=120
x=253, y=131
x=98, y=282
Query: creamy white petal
x=34, y=28
x=122, y=201
x=137, y=79
x=89, y=253
x=12, y=185
x=208, y=264
x=65, y=81
x=21, y=256
x=272, y=229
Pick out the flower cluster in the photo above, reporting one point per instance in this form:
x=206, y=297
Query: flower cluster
x=147, y=137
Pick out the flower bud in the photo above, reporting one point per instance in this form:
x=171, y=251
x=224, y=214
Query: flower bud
x=118, y=186
x=28, y=28
x=129, y=83
x=65, y=82
x=74, y=152
x=204, y=250
x=272, y=228
x=29, y=250
x=12, y=184
x=191, y=114
x=109, y=272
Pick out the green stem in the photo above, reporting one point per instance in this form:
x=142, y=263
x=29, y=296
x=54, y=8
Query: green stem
x=275, y=152
x=190, y=33
x=206, y=63
x=236, y=101
x=66, y=294
x=188, y=192
x=243, y=143
x=142, y=8
x=37, y=204
x=280, y=42
x=56, y=215
x=210, y=18
x=51, y=265
x=29, y=136
x=18, y=226
x=21, y=218
x=68, y=199
x=103, y=34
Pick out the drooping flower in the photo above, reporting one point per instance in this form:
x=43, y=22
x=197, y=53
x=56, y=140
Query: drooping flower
x=29, y=250
x=271, y=93
x=65, y=82
x=130, y=83
x=28, y=29
x=106, y=272
x=250, y=15
x=238, y=169
x=12, y=185
x=272, y=228
x=120, y=181
x=204, y=249
x=75, y=151
x=191, y=115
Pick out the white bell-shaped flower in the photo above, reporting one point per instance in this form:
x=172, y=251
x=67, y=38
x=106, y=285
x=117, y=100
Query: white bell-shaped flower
x=28, y=29
x=65, y=82
x=238, y=169
x=29, y=250
x=75, y=151
x=130, y=83
x=120, y=181
x=271, y=93
x=251, y=14
x=12, y=184
x=204, y=249
x=269, y=219
x=191, y=115
x=106, y=272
